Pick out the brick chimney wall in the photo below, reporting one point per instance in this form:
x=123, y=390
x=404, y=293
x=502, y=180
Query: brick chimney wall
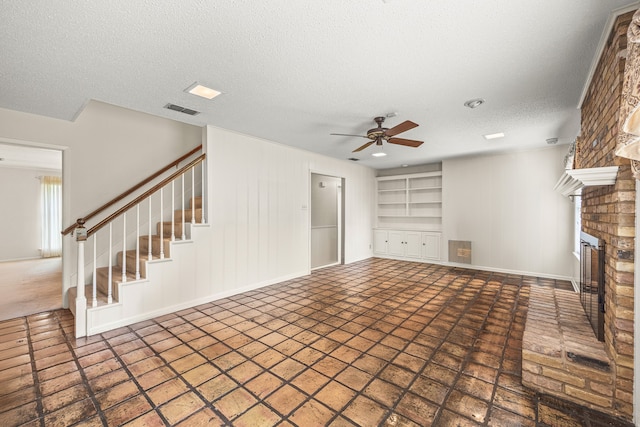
x=608, y=212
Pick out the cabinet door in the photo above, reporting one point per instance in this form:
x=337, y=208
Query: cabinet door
x=431, y=246
x=396, y=243
x=413, y=244
x=380, y=241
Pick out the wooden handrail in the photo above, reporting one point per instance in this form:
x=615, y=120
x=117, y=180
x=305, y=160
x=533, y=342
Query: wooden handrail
x=145, y=195
x=131, y=190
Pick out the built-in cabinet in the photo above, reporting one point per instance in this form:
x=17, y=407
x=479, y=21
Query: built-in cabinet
x=407, y=244
x=409, y=216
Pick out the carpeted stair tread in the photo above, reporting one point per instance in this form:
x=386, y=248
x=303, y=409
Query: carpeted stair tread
x=188, y=214
x=102, y=279
x=197, y=201
x=155, y=245
x=166, y=232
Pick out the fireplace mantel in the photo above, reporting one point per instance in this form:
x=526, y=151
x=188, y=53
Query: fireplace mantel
x=573, y=180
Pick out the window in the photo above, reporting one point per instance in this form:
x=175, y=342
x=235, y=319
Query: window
x=577, y=223
x=51, y=215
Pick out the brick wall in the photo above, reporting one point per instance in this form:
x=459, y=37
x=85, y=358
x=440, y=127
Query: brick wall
x=608, y=212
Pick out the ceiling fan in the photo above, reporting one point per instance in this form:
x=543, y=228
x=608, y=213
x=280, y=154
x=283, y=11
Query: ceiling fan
x=380, y=134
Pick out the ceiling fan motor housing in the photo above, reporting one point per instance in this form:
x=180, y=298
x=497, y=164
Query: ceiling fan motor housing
x=380, y=134
x=377, y=133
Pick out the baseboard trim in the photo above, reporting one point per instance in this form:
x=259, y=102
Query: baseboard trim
x=184, y=305
x=483, y=268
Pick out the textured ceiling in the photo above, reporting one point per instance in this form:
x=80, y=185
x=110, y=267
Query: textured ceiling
x=295, y=71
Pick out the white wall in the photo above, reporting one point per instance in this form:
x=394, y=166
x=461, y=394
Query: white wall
x=20, y=226
x=259, y=195
x=506, y=206
x=107, y=149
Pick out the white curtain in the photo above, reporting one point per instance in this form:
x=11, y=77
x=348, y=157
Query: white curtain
x=51, y=203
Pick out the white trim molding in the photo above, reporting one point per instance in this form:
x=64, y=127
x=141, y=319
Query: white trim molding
x=601, y=44
x=573, y=180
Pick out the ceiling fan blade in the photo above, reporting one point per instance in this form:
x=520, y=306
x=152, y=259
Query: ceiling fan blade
x=348, y=134
x=402, y=127
x=363, y=147
x=407, y=142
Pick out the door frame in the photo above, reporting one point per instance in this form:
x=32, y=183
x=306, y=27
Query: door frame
x=341, y=216
x=65, y=201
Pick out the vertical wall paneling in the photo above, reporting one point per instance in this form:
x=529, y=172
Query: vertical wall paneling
x=260, y=189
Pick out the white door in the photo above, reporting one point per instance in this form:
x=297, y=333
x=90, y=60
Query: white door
x=396, y=243
x=380, y=241
x=431, y=246
x=413, y=244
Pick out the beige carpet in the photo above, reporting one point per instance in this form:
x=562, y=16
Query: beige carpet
x=30, y=286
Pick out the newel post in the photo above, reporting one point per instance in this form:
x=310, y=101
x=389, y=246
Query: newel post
x=81, y=299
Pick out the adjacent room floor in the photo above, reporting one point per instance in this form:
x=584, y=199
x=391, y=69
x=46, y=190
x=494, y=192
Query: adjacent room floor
x=377, y=342
x=30, y=286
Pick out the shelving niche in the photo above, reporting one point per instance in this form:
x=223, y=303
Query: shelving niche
x=409, y=216
x=410, y=202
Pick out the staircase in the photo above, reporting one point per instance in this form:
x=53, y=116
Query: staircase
x=102, y=273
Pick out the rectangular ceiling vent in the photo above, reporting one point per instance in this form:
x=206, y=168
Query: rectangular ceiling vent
x=180, y=109
x=353, y=159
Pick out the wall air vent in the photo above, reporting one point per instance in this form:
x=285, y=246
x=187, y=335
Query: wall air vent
x=353, y=159
x=180, y=109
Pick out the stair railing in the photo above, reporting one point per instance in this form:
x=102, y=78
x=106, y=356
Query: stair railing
x=130, y=190
x=83, y=234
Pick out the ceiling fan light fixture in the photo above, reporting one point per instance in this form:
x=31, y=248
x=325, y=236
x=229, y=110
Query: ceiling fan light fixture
x=474, y=103
x=379, y=154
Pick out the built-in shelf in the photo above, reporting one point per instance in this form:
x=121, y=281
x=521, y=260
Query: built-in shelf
x=412, y=201
x=573, y=180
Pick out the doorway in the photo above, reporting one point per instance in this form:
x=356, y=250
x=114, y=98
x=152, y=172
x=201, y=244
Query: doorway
x=31, y=265
x=327, y=226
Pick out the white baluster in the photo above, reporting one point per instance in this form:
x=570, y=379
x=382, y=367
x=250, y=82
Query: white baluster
x=138, y=241
x=173, y=210
x=161, y=224
x=202, y=192
x=182, y=198
x=94, y=303
x=110, y=275
x=150, y=240
x=193, y=195
x=124, y=247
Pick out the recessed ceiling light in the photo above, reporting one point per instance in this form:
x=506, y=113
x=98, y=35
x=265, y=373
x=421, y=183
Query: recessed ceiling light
x=379, y=154
x=494, y=136
x=405, y=166
x=473, y=103
x=202, y=91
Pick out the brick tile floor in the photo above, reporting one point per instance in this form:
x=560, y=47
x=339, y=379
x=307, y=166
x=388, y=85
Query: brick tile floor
x=377, y=342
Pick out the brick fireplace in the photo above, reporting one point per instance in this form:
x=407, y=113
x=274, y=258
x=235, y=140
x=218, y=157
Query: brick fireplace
x=608, y=212
x=561, y=354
